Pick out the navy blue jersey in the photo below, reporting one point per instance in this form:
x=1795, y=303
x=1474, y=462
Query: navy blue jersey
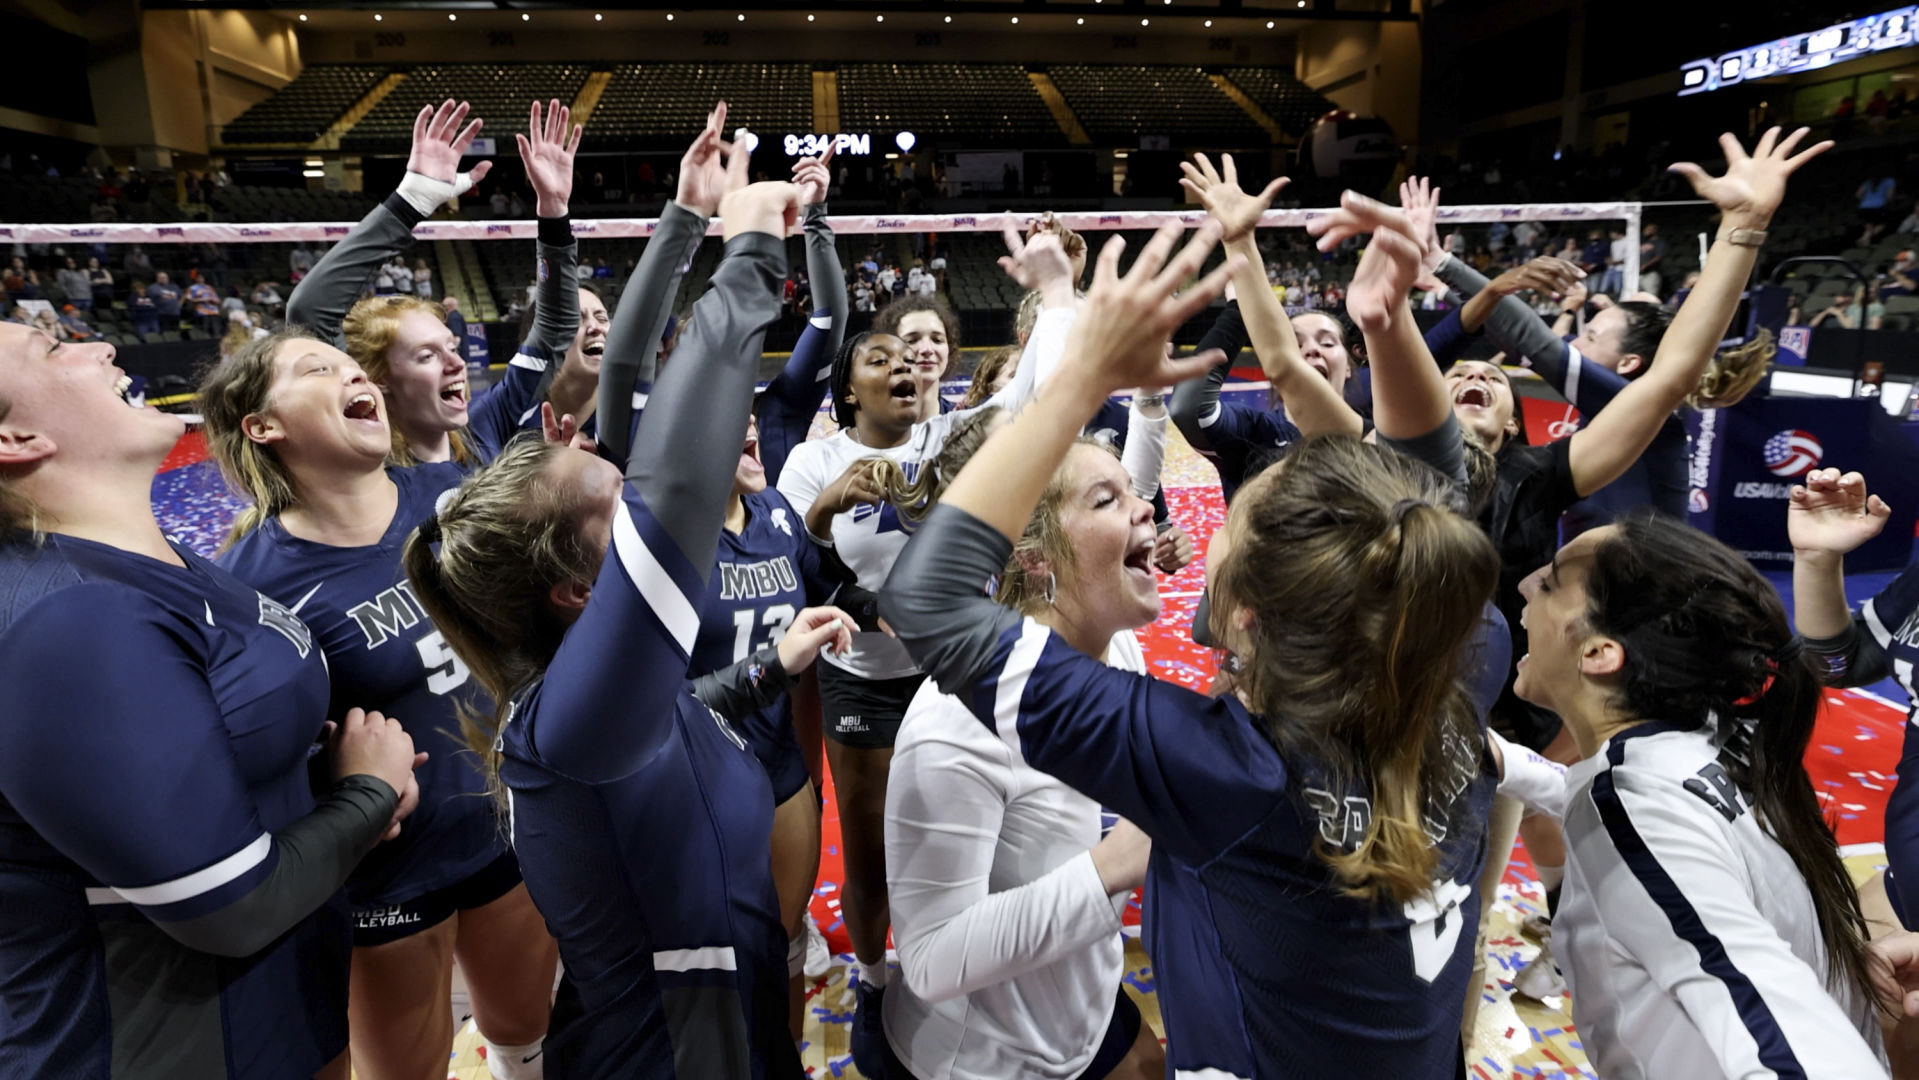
x=643, y=825
x=1657, y=479
x=791, y=401
x=157, y=730
x=1892, y=619
x=1269, y=969
x=1245, y=439
x=510, y=405
x=765, y=574
x=384, y=655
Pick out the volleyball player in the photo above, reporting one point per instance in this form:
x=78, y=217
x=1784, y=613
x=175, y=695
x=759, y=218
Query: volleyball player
x=302, y=430
x=864, y=691
x=1708, y=926
x=1319, y=827
x=640, y=816
x=403, y=341
x=930, y=329
x=170, y=882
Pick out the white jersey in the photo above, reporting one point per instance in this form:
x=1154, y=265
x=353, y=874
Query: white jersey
x=867, y=538
x=1687, y=935
x=1009, y=945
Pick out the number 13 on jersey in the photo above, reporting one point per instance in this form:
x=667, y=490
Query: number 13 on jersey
x=775, y=619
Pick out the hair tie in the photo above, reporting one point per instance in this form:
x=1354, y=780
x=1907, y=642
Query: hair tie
x=1788, y=652
x=1403, y=507
x=430, y=529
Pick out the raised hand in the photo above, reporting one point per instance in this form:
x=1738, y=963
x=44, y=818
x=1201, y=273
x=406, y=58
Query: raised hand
x=1357, y=215
x=1419, y=201
x=1237, y=212
x=562, y=430
x=703, y=173
x=1386, y=273
x=1125, y=321
x=772, y=206
x=1547, y=274
x=547, y=151
x=1037, y=261
x=1831, y=514
x=1754, y=184
x=814, y=629
x=439, y=142
x=814, y=177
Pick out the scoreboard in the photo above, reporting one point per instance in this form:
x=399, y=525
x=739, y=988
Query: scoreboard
x=1809, y=51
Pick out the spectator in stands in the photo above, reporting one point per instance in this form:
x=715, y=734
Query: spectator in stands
x=206, y=307
x=19, y=314
x=166, y=300
x=99, y=283
x=49, y=323
x=583, y=271
x=146, y=315
x=299, y=262
x=884, y=281
x=20, y=280
x=74, y=284
x=76, y=327
x=1652, y=254
x=601, y=270
x=1876, y=108
x=515, y=206
x=455, y=321
x=914, y=276
x=928, y=285
x=1613, y=281
x=137, y=265
x=1526, y=235
x=1911, y=222
x=1898, y=278
x=213, y=264
x=422, y=279
x=100, y=209
x=237, y=335
x=234, y=305
x=1875, y=198
x=497, y=202
x=862, y=297
x=266, y=296
x=402, y=276
x=383, y=280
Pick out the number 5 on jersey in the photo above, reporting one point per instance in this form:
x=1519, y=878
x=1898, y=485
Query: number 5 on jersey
x=445, y=672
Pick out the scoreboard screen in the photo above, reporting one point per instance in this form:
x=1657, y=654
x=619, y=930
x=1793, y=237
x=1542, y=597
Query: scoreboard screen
x=1809, y=51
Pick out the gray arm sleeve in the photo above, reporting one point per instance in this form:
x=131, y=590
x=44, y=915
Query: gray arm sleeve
x=556, y=318
x=823, y=264
x=314, y=856
x=1441, y=448
x=633, y=341
x=1195, y=400
x=936, y=598
x=1512, y=326
x=735, y=691
x=1853, y=657
x=684, y=455
x=324, y=296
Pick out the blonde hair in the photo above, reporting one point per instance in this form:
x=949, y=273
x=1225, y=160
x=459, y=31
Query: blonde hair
x=1022, y=586
x=1027, y=316
x=370, y=330
x=237, y=386
x=237, y=334
x=17, y=512
x=1365, y=595
x=986, y=373
x=505, y=537
x=1734, y=373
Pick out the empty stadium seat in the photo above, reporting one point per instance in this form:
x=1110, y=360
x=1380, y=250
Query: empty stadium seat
x=1292, y=104
x=973, y=104
x=1120, y=104
x=499, y=93
x=303, y=109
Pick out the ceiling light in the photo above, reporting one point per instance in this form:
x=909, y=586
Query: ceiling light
x=451, y=17
x=1146, y=22
x=524, y=17
x=1269, y=24
x=377, y=17
x=1016, y=20
x=949, y=18
x=1209, y=23
x=1081, y=22
x=303, y=17
x=669, y=16
x=879, y=18
x=742, y=16
x=313, y=174
x=809, y=18
x=597, y=16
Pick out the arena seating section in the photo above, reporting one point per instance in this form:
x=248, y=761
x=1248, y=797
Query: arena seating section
x=1292, y=104
x=979, y=104
x=304, y=108
x=500, y=94
x=657, y=106
x=1119, y=104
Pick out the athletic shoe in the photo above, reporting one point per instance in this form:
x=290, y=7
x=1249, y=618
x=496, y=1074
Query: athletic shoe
x=819, y=959
x=1540, y=979
x=868, y=1038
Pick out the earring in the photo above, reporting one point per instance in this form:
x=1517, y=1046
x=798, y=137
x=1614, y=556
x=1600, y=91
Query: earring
x=1052, y=588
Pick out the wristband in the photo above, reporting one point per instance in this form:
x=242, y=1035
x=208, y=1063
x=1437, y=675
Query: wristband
x=1752, y=238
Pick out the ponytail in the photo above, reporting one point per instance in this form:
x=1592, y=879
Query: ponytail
x=1707, y=641
x=1365, y=594
x=1733, y=373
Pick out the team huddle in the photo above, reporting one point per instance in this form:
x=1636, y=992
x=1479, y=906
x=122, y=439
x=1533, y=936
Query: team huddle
x=523, y=678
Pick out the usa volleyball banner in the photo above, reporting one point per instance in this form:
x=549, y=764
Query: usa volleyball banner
x=1746, y=459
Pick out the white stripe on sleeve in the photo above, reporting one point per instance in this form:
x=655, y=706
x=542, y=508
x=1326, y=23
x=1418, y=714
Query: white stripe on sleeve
x=1019, y=666
x=656, y=586
x=711, y=958
x=203, y=880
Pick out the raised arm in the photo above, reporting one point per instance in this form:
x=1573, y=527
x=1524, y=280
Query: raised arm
x=1311, y=402
x=1746, y=195
x=1195, y=403
x=793, y=398
x=547, y=150
x=1145, y=449
x=1828, y=517
x=633, y=341
x=323, y=297
x=164, y=818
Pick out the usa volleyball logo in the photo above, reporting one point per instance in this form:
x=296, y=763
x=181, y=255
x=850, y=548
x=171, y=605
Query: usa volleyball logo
x=1792, y=452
